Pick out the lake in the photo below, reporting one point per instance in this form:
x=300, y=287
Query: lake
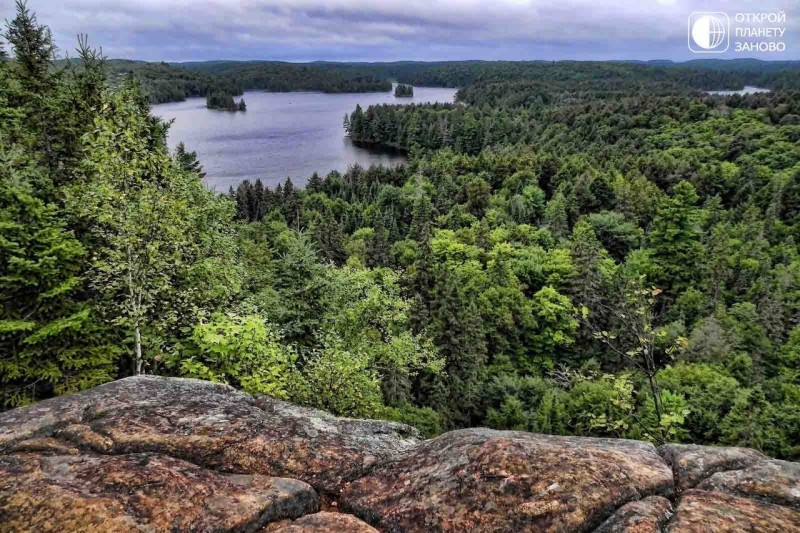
x=748, y=89
x=280, y=135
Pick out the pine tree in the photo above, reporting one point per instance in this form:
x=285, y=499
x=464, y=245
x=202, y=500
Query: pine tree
x=587, y=285
x=257, y=209
x=330, y=238
x=314, y=184
x=457, y=331
x=34, y=51
x=188, y=161
x=675, y=239
x=555, y=215
x=291, y=205
x=48, y=335
x=377, y=252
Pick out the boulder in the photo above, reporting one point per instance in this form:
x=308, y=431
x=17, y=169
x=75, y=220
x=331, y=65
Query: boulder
x=211, y=425
x=649, y=515
x=773, y=481
x=485, y=480
x=693, y=463
x=140, y=491
x=322, y=522
x=700, y=511
x=159, y=454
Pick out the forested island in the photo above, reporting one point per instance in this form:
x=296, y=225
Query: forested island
x=594, y=249
x=225, y=102
x=403, y=90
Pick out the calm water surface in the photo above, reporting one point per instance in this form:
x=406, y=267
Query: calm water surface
x=748, y=89
x=280, y=135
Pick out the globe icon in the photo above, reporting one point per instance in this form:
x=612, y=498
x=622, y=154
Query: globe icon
x=708, y=32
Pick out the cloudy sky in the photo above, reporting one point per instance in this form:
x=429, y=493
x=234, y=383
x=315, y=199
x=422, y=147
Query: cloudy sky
x=389, y=30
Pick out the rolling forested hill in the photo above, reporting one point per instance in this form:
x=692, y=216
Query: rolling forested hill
x=168, y=82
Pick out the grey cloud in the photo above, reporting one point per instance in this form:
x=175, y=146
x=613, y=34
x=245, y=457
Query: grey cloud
x=390, y=29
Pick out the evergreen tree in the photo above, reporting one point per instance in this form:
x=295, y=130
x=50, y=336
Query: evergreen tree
x=189, y=162
x=377, y=252
x=675, y=239
x=49, y=337
x=457, y=331
x=314, y=184
x=587, y=286
x=291, y=205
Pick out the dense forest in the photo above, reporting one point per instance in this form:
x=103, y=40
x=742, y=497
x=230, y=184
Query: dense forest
x=162, y=83
x=612, y=257
x=543, y=232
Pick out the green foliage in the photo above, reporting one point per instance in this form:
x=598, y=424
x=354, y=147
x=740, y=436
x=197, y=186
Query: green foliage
x=44, y=325
x=160, y=253
x=557, y=324
x=242, y=351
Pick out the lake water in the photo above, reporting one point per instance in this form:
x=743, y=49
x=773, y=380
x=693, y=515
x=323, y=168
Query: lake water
x=280, y=135
x=748, y=89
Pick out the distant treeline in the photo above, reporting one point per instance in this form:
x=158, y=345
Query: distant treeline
x=536, y=113
x=172, y=82
x=701, y=75
x=164, y=83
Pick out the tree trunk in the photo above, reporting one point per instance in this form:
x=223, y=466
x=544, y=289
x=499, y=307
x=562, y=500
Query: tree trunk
x=138, y=334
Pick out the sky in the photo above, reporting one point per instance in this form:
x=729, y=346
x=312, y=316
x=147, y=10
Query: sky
x=393, y=30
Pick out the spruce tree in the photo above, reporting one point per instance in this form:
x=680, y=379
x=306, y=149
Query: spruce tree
x=188, y=161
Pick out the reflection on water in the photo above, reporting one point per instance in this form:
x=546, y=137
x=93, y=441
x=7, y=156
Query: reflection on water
x=280, y=135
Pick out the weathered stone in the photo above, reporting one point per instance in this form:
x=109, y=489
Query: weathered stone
x=692, y=463
x=700, y=511
x=45, y=446
x=485, y=480
x=774, y=481
x=644, y=516
x=322, y=522
x=159, y=454
x=140, y=491
x=212, y=425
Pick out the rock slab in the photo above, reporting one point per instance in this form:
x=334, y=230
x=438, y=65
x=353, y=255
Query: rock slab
x=211, y=425
x=485, y=480
x=140, y=491
x=161, y=454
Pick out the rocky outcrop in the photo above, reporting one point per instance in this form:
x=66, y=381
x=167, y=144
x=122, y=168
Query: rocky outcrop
x=118, y=493
x=649, y=515
x=159, y=454
x=211, y=425
x=480, y=479
x=692, y=463
x=700, y=511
